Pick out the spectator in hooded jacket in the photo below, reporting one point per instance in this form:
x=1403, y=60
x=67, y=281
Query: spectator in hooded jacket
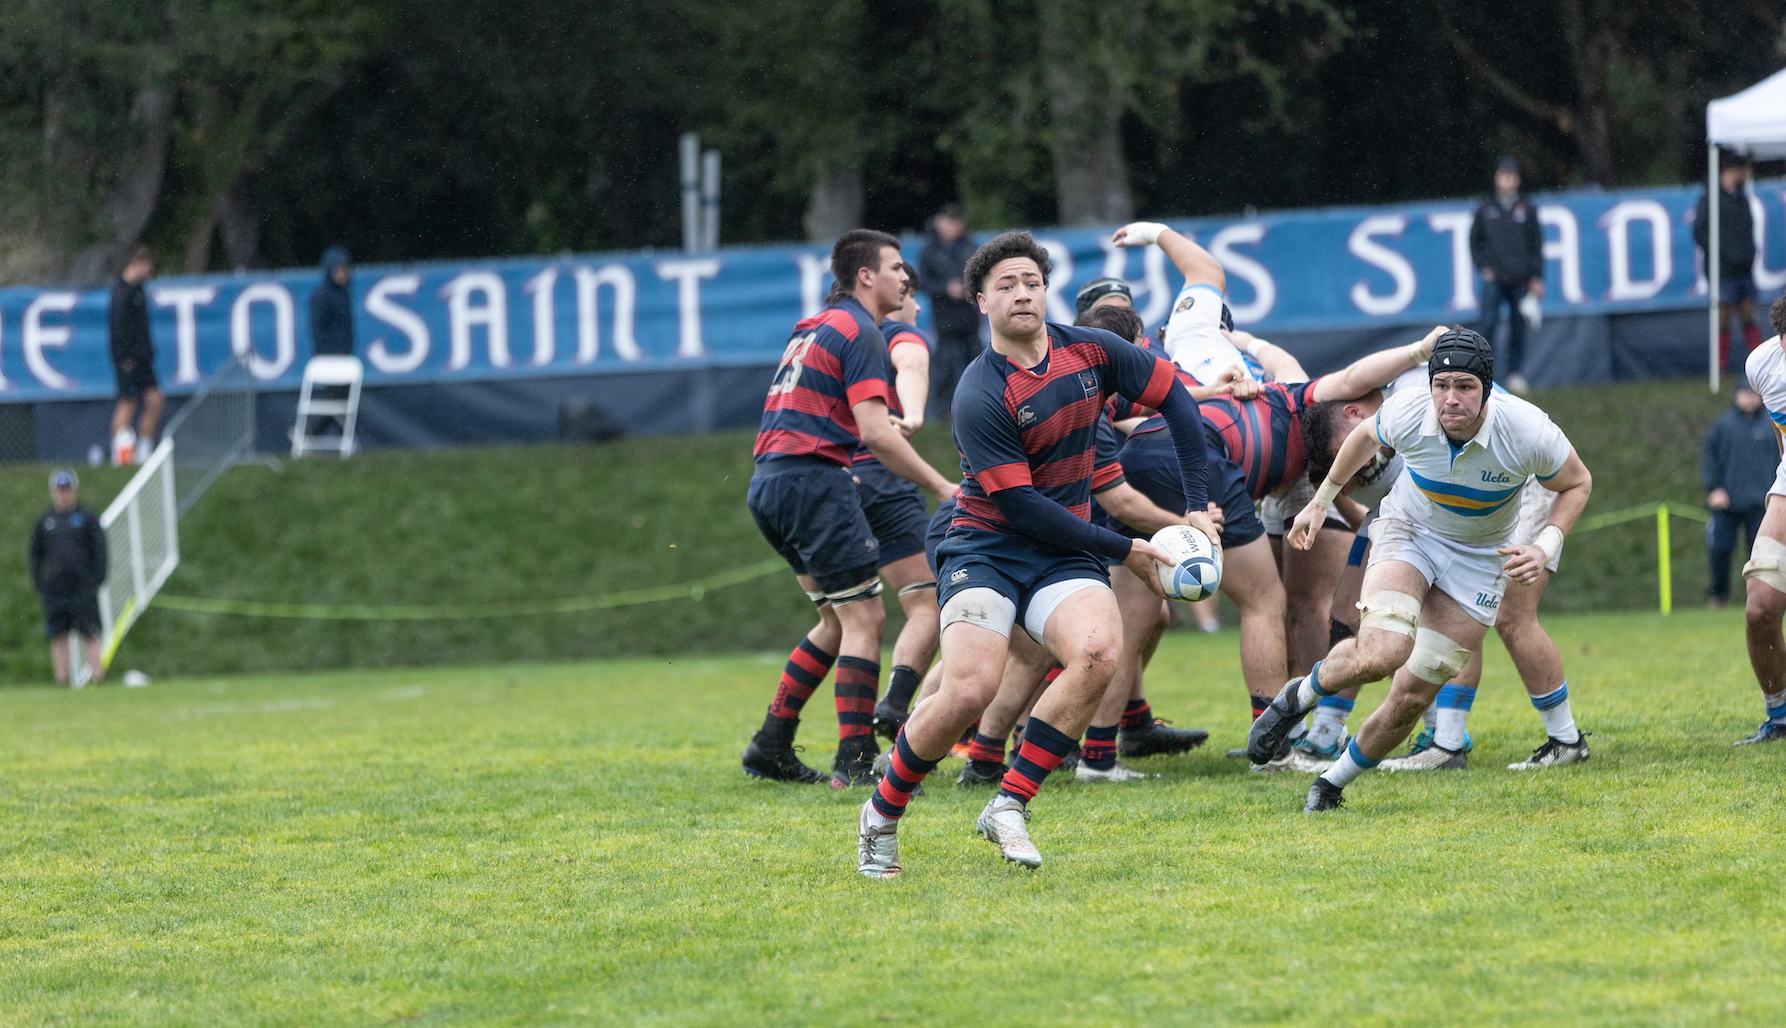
x=331, y=306
x=133, y=356
x=1736, y=258
x=68, y=563
x=1737, y=465
x=1507, y=245
x=952, y=311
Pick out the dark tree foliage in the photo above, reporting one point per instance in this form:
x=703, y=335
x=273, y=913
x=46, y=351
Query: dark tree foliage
x=256, y=132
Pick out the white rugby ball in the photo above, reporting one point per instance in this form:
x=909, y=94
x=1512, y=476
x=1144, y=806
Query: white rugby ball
x=1196, y=570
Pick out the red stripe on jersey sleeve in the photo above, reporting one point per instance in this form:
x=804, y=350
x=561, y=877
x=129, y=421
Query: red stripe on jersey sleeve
x=906, y=338
x=1102, y=477
x=869, y=389
x=1158, y=384
x=1002, y=476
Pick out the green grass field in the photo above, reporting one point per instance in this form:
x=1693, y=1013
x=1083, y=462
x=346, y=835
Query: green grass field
x=574, y=844
x=517, y=524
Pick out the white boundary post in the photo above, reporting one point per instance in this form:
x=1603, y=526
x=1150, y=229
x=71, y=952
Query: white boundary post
x=1713, y=191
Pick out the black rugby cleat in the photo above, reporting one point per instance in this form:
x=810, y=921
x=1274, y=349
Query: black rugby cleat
x=1265, y=743
x=1157, y=737
x=1323, y=795
x=771, y=755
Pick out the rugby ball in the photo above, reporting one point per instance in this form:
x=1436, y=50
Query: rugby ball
x=1196, y=570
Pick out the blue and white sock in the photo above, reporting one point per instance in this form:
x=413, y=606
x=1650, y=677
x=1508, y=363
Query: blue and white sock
x=1350, y=765
x=1311, y=690
x=1553, y=708
x=1453, y=707
x=1776, y=706
x=1330, y=721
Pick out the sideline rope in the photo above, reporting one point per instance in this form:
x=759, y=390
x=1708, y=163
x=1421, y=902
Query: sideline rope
x=1664, y=552
x=695, y=590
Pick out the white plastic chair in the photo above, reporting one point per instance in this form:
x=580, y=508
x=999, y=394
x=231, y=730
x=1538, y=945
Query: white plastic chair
x=328, y=370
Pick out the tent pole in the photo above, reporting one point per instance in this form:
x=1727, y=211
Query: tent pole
x=1713, y=191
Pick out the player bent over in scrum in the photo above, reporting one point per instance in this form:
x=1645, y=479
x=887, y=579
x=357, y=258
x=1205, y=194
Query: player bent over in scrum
x=1436, y=575
x=1766, y=571
x=831, y=394
x=1020, y=548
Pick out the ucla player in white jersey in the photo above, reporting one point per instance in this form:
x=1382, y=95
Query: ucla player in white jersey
x=1766, y=570
x=1444, y=742
x=1442, y=550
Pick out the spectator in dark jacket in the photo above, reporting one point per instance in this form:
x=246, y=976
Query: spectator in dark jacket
x=1507, y=244
x=133, y=357
x=1737, y=465
x=68, y=558
x=331, y=306
x=1736, y=258
x=952, y=311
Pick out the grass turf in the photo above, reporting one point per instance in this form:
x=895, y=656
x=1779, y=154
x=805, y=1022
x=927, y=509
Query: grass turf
x=574, y=844
x=516, y=524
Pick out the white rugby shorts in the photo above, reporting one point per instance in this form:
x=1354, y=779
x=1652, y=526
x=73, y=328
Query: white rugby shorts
x=1471, y=575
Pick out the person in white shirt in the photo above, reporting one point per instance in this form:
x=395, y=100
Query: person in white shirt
x=1443, y=550
x=1766, y=571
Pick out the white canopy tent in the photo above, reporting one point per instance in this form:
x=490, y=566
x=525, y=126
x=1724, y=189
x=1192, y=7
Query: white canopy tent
x=1751, y=123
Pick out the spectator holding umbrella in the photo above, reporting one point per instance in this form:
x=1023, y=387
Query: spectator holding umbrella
x=952, y=311
x=1737, y=466
x=1507, y=245
x=68, y=558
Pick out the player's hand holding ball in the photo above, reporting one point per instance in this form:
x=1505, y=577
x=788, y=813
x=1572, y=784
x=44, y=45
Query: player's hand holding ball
x=1192, y=568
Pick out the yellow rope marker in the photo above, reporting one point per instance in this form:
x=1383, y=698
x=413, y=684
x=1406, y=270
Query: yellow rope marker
x=1664, y=560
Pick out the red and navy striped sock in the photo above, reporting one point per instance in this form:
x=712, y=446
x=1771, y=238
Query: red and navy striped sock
x=858, y=682
x=807, y=667
x=1043, y=748
x=987, y=748
x=906, y=771
x=1259, y=706
x=1099, y=748
x=902, y=684
x=1138, y=714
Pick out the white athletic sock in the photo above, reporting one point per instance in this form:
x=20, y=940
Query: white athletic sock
x=1452, y=710
x=1330, y=721
x=1430, y=716
x=876, y=819
x=1553, y=708
x=1310, y=692
x=1776, y=706
x=1350, y=765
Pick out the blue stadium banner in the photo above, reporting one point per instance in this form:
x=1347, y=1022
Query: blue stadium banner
x=1605, y=253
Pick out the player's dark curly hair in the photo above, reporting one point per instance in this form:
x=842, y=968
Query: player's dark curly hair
x=1776, y=316
x=1002, y=247
x=1321, y=425
x=854, y=250
x=1121, y=320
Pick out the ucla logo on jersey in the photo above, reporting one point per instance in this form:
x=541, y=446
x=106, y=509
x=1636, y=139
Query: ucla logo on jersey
x=1089, y=382
x=1185, y=303
x=1025, y=417
x=1498, y=477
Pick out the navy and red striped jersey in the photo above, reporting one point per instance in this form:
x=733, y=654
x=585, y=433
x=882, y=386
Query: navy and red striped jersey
x=1262, y=435
x=834, y=360
x=897, y=334
x=1038, y=426
x=1106, y=467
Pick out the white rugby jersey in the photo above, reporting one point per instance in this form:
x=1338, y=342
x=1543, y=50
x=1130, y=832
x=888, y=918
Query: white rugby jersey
x=1766, y=369
x=1469, y=495
x=1194, y=339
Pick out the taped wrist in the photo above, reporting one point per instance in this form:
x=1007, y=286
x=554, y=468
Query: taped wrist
x=1550, y=541
x=1144, y=233
x=1324, y=496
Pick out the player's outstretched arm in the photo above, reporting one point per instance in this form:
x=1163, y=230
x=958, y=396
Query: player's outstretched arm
x=1277, y=361
x=1374, y=371
x=1192, y=261
x=1354, y=454
x=911, y=382
x=1573, y=484
x=890, y=447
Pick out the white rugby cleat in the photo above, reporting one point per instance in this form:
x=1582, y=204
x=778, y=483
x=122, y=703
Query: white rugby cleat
x=1433, y=758
x=1005, y=823
x=877, y=846
x=1118, y=772
x=1554, y=753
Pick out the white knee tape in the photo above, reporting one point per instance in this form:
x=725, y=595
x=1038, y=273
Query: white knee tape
x=866, y=591
x=1436, y=658
x=1766, y=558
x=1390, y=611
x=818, y=598
x=986, y=608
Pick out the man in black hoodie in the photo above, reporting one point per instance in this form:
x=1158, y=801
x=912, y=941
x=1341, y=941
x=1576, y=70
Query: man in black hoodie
x=1737, y=466
x=331, y=307
x=1507, y=245
x=68, y=558
x=1736, y=258
x=133, y=354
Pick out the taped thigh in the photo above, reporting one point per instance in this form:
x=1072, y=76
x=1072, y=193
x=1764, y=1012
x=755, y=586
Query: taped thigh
x=866, y=591
x=987, y=608
x=1437, y=658
x=1767, y=561
x=918, y=587
x=1390, y=611
x=818, y=599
